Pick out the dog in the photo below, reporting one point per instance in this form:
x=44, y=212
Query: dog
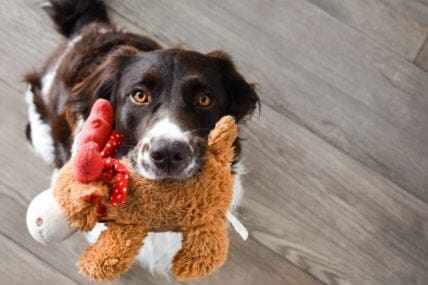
x=166, y=101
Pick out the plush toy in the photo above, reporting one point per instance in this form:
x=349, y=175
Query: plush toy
x=97, y=144
x=197, y=207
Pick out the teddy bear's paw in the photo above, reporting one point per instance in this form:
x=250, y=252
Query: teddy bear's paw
x=100, y=270
x=191, y=267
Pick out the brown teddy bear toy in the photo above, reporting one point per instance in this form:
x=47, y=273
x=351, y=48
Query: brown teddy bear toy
x=197, y=207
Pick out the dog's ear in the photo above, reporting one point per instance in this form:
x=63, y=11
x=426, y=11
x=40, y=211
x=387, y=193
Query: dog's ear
x=101, y=83
x=242, y=97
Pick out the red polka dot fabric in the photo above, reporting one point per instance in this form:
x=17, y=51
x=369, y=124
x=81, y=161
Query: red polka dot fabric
x=115, y=173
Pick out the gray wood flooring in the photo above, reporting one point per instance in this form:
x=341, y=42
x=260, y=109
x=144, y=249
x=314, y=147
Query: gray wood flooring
x=338, y=186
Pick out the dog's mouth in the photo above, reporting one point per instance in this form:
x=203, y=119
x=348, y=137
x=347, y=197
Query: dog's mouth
x=166, y=151
x=163, y=158
x=169, y=159
x=150, y=171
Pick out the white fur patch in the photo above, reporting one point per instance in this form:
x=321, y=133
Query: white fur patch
x=49, y=78
x=54, y=177
x=45, y=4
x=167, y=129
x=76, y=135
x=93, y=235
x=158, y=251
x=47, y=82
x=141, y=170
x=41, y=138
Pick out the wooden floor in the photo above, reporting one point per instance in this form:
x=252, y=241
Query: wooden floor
x=338, y=157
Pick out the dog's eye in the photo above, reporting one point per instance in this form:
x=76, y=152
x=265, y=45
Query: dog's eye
x=139, y=96
x=203, y=101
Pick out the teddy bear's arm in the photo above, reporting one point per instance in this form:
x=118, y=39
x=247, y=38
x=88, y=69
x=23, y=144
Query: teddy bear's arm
x=204, y=249
x=113, y=253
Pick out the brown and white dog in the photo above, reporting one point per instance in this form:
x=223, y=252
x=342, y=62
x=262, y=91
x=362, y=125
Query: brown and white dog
x=166, y=101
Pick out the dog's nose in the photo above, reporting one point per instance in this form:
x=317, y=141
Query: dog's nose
x=167, y=154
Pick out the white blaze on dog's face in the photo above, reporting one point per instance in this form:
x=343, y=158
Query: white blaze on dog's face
x=165, y=152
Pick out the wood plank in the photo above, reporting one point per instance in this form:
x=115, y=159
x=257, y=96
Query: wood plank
x=21, y=267
x=379, y=22
x=248, y=266
x=422, y=59
x=325, y=75
x=26, y=31
x=327, y=213
x=414, y=9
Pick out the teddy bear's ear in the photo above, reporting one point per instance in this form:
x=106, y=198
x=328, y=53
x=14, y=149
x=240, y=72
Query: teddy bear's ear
x=221, y=138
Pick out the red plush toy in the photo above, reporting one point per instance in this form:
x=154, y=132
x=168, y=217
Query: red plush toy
x=95, y=154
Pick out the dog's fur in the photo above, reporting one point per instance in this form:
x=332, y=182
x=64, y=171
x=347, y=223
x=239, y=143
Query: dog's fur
x=100, y=61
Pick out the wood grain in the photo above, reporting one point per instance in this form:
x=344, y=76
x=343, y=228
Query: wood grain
x=422, y=59
x=329, y=214
x=380, y=22
x=23, y=267
x=414, y=9
x=23, y=23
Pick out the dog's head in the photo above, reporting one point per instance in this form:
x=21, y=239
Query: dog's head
x=166, y=102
